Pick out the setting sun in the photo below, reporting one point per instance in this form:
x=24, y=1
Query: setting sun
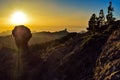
x=18, y=18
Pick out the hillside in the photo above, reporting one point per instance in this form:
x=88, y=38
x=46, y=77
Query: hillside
x=75, y=59
x=7, y=63
x=76, y=56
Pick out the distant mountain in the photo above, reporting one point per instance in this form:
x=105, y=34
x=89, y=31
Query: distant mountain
x=37, y=38
x=5, y=33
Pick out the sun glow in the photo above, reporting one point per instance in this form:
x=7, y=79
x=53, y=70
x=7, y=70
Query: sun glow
x=18, y=18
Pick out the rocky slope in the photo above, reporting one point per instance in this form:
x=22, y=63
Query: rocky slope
x=74, y=59
x=108, y=64
x=79, y=58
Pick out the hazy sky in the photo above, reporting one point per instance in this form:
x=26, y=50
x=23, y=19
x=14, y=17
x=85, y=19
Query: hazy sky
x=54, y=15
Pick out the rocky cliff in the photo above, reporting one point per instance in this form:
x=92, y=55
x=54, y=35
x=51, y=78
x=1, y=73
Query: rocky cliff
x=108, y=64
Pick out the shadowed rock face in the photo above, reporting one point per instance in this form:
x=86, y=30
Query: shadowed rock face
x=108, y=64
x=22, y=35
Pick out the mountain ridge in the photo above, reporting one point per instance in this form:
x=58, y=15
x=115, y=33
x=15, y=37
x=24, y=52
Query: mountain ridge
x=37, y=38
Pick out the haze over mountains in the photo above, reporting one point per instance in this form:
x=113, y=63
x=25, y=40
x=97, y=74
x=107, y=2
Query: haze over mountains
x=5, y=33
x=7, y=40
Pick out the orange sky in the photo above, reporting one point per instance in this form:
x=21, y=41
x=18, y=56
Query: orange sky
x=52, y=15
x=47, y=20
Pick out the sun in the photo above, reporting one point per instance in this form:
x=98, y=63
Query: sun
x=18, y=18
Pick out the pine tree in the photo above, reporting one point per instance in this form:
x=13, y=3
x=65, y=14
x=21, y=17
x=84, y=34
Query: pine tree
x=109, y=16
x=101, y=19
x=93, y=23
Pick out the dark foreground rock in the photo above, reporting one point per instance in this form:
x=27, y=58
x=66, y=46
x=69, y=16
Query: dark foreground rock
x=108, y=64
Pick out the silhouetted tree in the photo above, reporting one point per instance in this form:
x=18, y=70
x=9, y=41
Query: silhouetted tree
x=109, y=16
x=93, y=23
x=101, y=19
